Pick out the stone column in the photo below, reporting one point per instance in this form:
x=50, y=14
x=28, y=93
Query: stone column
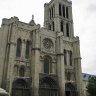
x=3, y=52
x=71, y=30
x=77, y=61
x=57, y=24
x=70, y=12
x=53, y=67
x=35, y=62
x=10, y=74
x=60, y=67
x=56, y=19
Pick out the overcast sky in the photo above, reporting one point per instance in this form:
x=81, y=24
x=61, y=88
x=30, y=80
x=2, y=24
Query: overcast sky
x=84, y=17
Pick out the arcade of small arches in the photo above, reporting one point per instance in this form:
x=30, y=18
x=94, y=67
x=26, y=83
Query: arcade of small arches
x=63, y=11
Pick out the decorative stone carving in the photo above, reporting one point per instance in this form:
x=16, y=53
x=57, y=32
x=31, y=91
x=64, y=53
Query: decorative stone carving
x=48, y=44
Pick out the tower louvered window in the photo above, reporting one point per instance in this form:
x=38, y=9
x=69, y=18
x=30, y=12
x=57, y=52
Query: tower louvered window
x=63, y=11
x=67, y=30
x=67, y=13
x=62, y=29
x=60, y=9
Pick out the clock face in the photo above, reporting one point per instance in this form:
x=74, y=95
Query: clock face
x=47, y=43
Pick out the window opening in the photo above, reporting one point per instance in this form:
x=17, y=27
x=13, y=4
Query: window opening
x=63, y=11
x=53, y=26
x=70, y=58
x=67, y=29
x=62, y=26
x=27, y=49
x=59, y=9
x=18, y=49
x=46, y=66
x=67, y=13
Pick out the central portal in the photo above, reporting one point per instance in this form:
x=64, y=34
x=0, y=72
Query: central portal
x=48, y=87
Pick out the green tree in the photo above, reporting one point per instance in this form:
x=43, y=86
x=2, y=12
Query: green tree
x=91, y=87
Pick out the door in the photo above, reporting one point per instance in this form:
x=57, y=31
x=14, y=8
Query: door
x=20, y=88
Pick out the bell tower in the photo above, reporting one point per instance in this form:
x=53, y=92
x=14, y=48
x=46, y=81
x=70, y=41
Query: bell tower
x=58, y=17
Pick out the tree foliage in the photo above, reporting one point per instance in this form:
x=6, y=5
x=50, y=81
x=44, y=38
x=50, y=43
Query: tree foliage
x=91, y=87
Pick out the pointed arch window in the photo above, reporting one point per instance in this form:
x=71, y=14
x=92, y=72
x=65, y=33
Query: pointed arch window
x=27, y=49
x=47, y=65
x=18, y=49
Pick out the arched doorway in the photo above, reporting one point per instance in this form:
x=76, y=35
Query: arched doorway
x=20, y=88
x=70, y=90
x=48, y=87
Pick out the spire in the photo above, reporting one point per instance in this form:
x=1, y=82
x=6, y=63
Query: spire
x=32, y=17
x=32, y=23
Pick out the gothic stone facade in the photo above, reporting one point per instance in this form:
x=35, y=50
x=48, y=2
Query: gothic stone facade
x=37, y=61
